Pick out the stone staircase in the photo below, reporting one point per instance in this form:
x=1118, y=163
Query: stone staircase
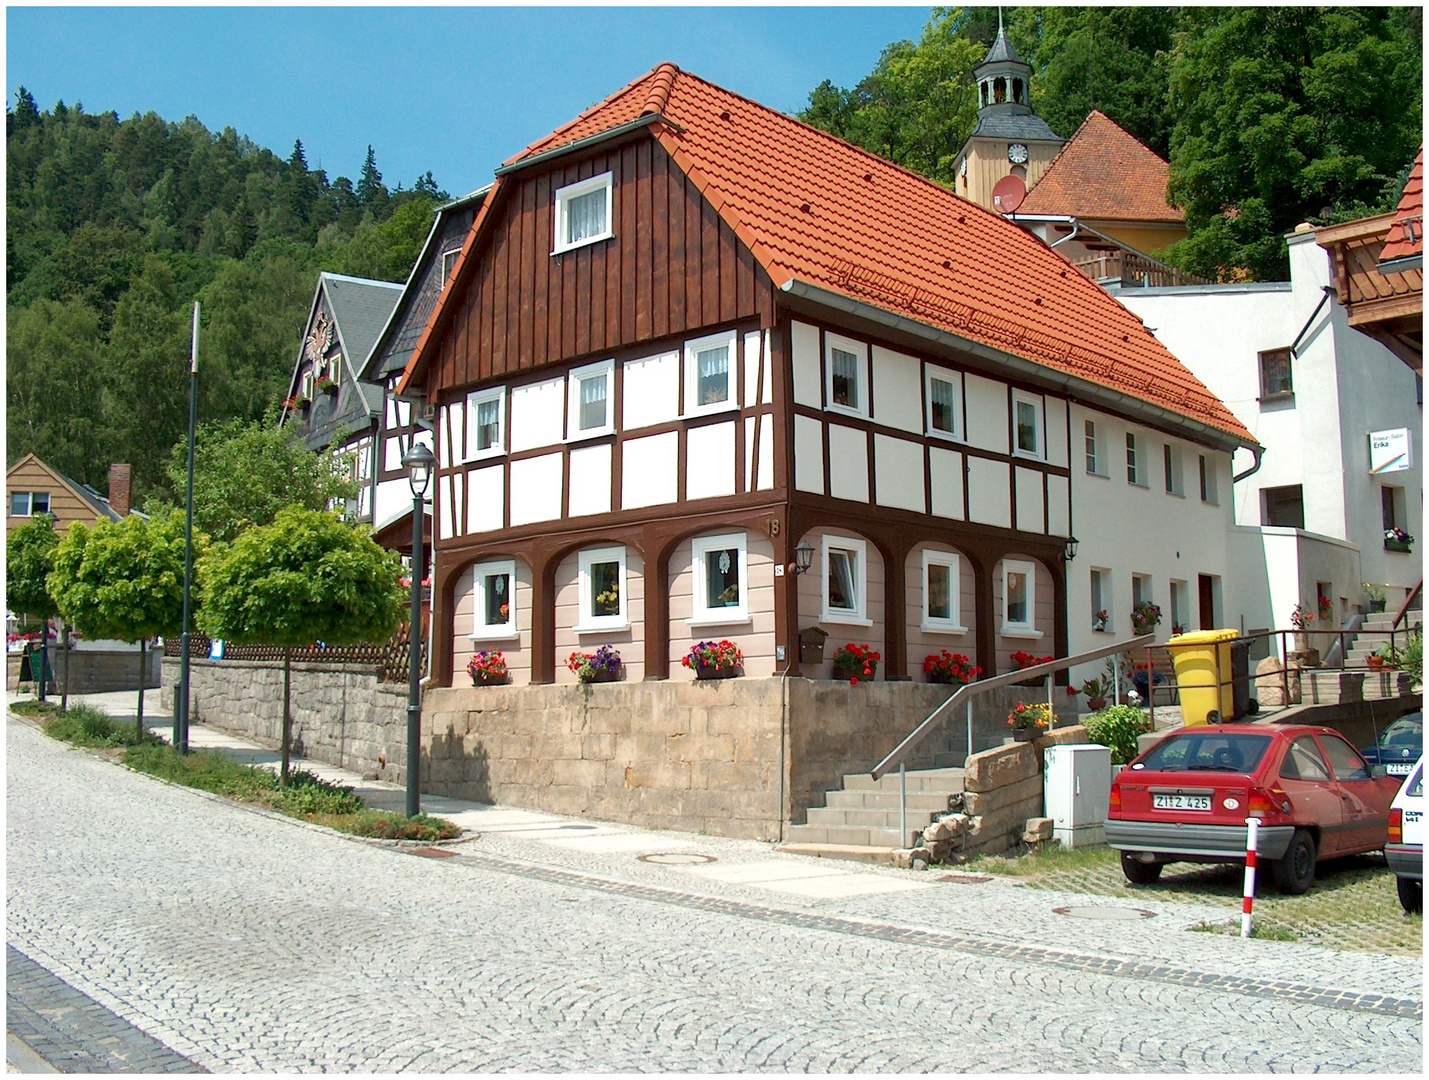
x=864, y=812
x=1373, y=633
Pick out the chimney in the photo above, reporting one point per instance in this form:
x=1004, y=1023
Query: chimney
x=119, y=489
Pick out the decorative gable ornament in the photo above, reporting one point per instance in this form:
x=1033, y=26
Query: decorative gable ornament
x=319, y=339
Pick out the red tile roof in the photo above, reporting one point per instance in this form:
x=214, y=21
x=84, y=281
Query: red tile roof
x=815, y=209
x=1406, y=235
x=1103, y=172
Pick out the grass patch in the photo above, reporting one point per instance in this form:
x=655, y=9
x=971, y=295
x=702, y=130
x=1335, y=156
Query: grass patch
x=85, y=725
x=306, y=796
x=1353, y=904
x=34, y=708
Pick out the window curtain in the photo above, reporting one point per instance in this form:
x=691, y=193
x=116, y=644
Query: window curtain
x=713, y=365
x=841, y=590
x=585, y=216
x=593, y=402
x=488, y=424
x=942, y=405
x=845, y=378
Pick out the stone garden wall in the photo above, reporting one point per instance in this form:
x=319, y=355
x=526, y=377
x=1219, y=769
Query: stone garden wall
x=732, y=757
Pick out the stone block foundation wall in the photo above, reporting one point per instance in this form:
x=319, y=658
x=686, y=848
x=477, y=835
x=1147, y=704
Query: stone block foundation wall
x=731, y=757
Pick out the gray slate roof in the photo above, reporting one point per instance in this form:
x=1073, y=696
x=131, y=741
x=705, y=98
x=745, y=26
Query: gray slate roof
x=359, y=309
x=1021, y=126
x=1001, y=50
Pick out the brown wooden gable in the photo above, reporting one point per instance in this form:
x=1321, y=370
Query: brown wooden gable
x=672, y=267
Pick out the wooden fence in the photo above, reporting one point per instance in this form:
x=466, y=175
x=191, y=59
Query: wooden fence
x=392, y=657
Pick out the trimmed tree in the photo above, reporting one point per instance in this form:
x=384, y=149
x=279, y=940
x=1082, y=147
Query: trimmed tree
x=123, y=580
x=307, y=577
x=29, y=558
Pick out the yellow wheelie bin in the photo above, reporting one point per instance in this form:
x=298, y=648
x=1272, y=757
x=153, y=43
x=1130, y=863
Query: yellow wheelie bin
x=1202, y=659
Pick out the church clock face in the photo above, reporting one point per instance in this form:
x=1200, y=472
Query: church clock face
x=1017, y=154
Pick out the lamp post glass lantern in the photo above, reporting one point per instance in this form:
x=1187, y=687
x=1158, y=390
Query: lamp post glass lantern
x=418, y=462
x=1069, y=549
x=803, y=557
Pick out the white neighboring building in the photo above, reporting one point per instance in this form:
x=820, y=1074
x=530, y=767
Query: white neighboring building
x=1283, y=358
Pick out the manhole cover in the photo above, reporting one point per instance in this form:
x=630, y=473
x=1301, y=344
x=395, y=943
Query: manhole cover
x=966, y=879
x=1105, y=914
x=676, y=858
x=433, y=853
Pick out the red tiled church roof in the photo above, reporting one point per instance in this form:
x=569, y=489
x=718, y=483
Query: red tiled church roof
x=818, y=210
x=1406, y=235
x=1103, y=172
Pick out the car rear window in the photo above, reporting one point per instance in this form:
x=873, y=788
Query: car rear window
x=1416, y=788
x=1406, y=731
x=1208, y=751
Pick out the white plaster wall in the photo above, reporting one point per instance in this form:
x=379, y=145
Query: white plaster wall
x=808, y=383
x=486, y=498
x=759, y=430
x=898, y=473
x=989, y=493
x=1030, y=503
x=650, y=470
x=757, y=390
x=897, y=390
x=709, y=461
x=754, y=636
x=808, y=454
x=652, y=390
x=536, y=489
x=538, y=414
x=946, y=470
x=394, y=498
x=987, y=413
x=848, y=463
x=922, y=643
x=590, y=480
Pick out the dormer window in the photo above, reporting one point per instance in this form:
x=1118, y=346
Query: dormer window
x=449, y=259
x=583, y=213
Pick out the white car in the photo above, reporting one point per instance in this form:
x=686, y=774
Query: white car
x=1405, y=850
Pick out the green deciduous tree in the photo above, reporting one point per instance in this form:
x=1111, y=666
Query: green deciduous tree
x=29, y=558
x=123, y=580
x=246, y=473
x=307, y=577
x=1282, y=113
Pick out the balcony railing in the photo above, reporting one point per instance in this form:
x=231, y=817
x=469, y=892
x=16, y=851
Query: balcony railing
x=1129, y=268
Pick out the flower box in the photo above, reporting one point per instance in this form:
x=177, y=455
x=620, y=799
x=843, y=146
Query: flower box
x=715, y=660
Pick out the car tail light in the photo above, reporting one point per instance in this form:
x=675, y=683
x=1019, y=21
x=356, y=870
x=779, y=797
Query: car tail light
x=1115, y=801
x=1259, y=804
x=1396, y=826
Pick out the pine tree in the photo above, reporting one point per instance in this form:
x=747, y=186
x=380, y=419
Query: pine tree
x=369, y=184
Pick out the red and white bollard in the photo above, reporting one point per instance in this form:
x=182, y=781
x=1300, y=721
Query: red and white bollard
x=1252, y=841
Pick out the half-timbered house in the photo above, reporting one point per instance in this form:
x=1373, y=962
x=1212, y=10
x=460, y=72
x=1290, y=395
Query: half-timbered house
x=687, y=335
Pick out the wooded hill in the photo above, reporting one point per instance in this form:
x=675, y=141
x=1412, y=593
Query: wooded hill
x=114, y=227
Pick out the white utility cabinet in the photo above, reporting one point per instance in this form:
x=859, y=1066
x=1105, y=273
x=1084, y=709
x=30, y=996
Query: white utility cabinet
x=1077, y=787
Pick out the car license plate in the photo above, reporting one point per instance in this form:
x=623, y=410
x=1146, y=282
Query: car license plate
x=1398, y=770
x=1181, y=802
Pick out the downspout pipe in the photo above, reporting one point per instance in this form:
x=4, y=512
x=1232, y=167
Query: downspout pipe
x=1329, y=291
x=1259, y=452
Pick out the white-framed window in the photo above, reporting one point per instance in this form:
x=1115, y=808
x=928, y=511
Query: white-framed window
x=334, y=369
x=942, y=588
x=1096, y=451
x=1027, y=425
x=1171, y=464
x=720, y=570
x=846, y=375
x=1135, y=464
x=305, y=386
x=29, y=503
x=449, y=258
x=710, y=384
x=944, y=391
x=1208, y=480
x=602, y=591
x=583, y=213
x=1019, y=599
x=1180, y=607
x=1140, y=588
x=493, y=594
x=845, y=580
x=591, y=409
x=485, y=423
x=1102, y=601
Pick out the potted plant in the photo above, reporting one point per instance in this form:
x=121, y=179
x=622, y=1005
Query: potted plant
x=1117, y=728
x=1099, y=621
x=296, y=403
x=1302, y=617
x=488, y=669
x=603, y=665
x=1326, y=605
x=855, y=662
x=1375, y=594
x=715, y=660
x=1029, y=721
x=1145, y=617
x=950, y=669
x=1396, y=539
x=326, y=384
x=1095, y=689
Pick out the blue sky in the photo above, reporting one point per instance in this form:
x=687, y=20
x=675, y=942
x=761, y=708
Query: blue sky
x=453, y=90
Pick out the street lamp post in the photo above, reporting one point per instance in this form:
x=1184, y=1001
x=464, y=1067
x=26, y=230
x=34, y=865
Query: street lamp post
x=181, y=719
x=418, y=462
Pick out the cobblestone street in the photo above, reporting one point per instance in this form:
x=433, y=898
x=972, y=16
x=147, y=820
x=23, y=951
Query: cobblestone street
x=242, y=941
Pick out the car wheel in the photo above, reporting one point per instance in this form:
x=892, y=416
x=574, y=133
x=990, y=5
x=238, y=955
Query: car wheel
x=1295, y=872
x=1138, y=872
x=1411, y=894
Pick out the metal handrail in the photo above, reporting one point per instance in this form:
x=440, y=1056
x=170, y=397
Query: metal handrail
x=965, y=693
x=1408, y=600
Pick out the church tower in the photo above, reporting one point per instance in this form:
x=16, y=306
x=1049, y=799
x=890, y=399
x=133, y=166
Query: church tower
x=1010, y=139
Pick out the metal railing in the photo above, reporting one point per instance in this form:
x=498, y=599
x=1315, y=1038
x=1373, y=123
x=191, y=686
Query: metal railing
x=965, y=694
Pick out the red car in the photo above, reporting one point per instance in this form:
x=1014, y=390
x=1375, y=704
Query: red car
x=1187, y=799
